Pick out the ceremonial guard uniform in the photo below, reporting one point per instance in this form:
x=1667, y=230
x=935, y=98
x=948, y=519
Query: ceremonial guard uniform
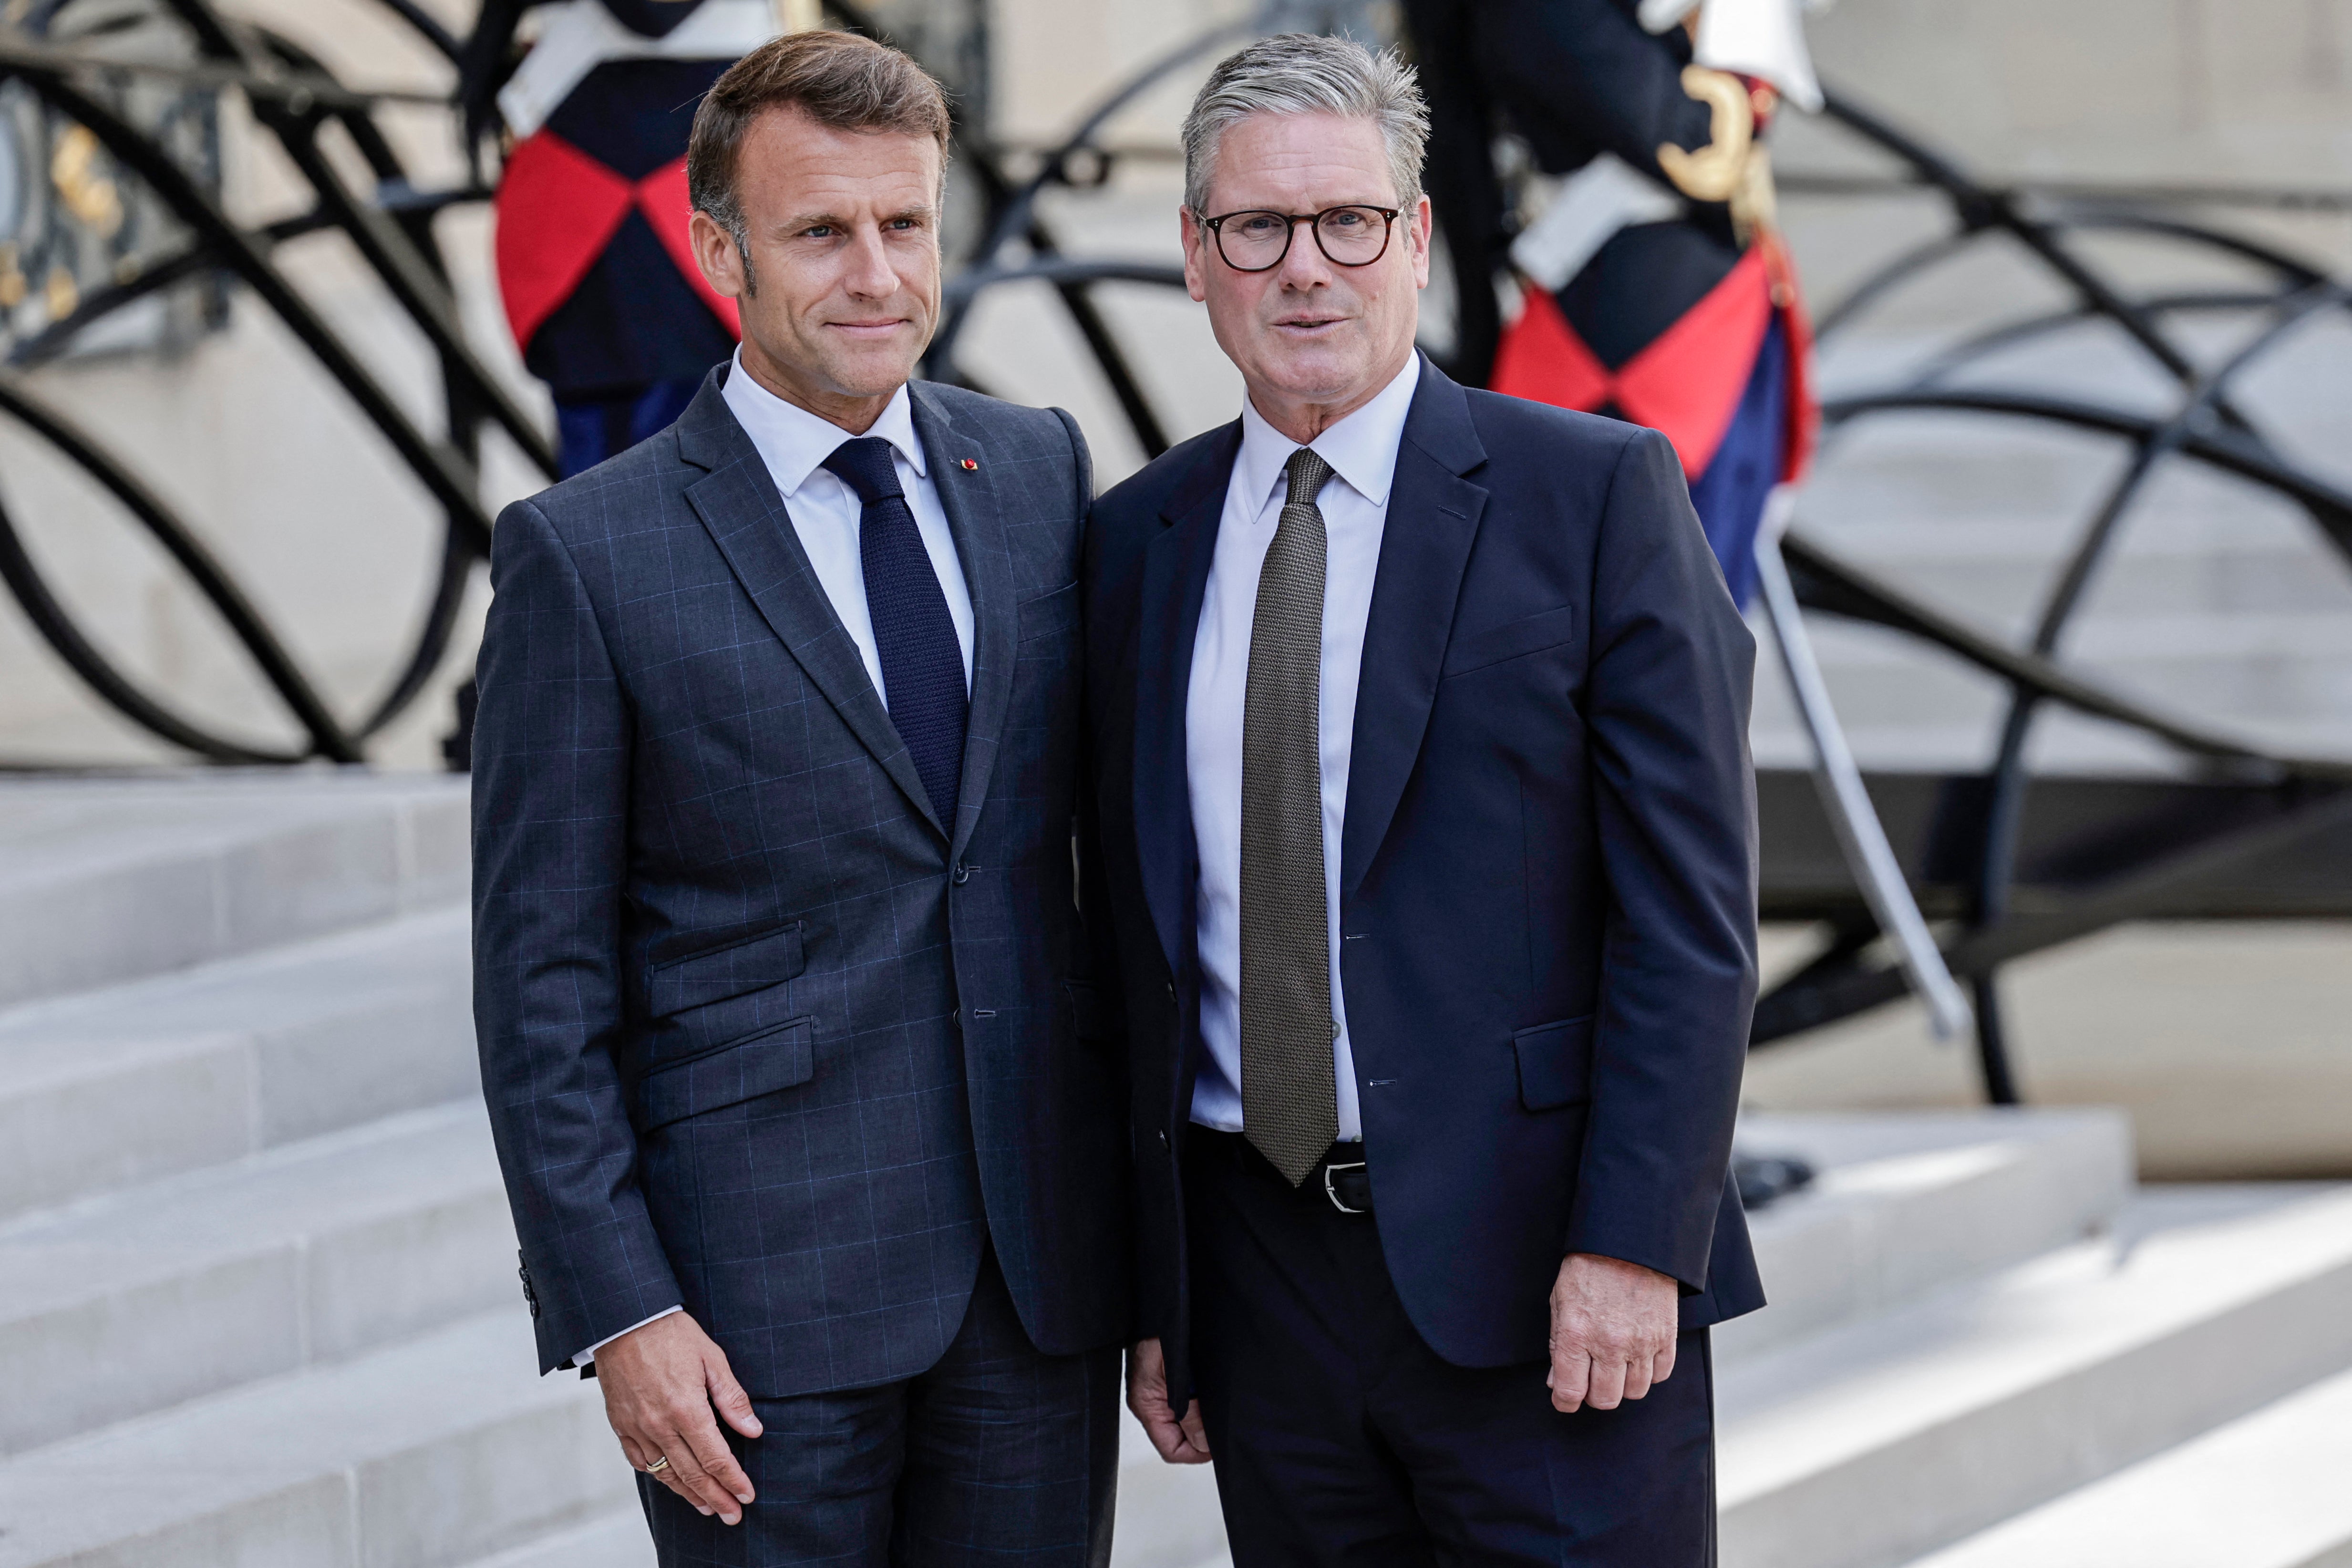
x=1653, y=285
x=593, y=263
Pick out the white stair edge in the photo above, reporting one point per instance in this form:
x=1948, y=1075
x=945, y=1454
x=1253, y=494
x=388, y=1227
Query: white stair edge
x=615, y=1540
x=1921, y=1426
x=1902, y=1206
x=442, y=1450
x=315, y=1253
x=146, y=877
x=2272, y=1489
x=103, y=1091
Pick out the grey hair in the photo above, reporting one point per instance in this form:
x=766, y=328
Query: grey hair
x=1308, y=73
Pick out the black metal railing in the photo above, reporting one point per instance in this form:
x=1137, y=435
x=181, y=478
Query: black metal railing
x=294, y=100
x=2141, y=851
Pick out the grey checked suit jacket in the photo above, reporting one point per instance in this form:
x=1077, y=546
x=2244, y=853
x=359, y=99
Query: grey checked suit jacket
x=758, y=1034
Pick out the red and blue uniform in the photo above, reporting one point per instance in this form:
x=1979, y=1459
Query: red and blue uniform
x=1685, y=324
x=594, y=262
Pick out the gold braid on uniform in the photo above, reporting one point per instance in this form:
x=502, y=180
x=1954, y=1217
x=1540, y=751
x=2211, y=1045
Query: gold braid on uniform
x=1714, y=171
x=1733, y=166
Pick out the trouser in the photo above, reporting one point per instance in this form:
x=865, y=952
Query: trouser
x=1730, y=495
x=997, y=1455
x=1340, y=1439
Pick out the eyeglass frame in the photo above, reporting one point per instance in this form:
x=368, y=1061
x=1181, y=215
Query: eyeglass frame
x=1215, y=225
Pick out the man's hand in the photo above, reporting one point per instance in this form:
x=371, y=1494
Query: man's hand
x=1613, y=1332
x=1180, y=1442
x=661, y=1382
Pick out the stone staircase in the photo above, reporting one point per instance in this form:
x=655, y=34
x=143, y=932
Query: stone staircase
x=257, y=1303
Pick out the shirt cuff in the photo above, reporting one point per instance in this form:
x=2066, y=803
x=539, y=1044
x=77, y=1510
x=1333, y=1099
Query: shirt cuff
x=585, y=1357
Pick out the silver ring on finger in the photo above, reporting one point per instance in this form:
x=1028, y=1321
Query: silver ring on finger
x=661, y=1463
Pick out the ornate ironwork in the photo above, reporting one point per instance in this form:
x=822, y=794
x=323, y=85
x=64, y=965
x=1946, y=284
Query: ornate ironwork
x=293, y=99
x=2149, y=848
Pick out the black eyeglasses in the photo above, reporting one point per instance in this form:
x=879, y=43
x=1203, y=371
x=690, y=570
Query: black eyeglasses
x=1256, y=241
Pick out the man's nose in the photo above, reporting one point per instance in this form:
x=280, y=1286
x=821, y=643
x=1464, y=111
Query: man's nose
x=1304, y=265
x=871, y=273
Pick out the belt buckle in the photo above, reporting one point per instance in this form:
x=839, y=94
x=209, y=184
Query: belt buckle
x=1333, y=1193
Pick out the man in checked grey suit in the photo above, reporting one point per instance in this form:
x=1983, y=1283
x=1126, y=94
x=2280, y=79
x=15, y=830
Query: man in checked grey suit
x=814, y=1132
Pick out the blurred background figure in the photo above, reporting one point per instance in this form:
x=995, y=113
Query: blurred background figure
x=599, y=288
x=1651, y=281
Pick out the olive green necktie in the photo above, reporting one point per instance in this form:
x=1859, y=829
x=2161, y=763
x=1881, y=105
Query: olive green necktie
x=1289, y=1110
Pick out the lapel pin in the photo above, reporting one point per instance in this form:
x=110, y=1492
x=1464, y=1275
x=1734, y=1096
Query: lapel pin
x=971, y=466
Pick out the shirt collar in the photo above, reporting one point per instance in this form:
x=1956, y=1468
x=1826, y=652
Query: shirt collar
x=794, y=443
x=1361, y=448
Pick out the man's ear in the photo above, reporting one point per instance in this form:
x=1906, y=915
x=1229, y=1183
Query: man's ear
x=1196, y=263
x=1418, y=227
x=715, y=253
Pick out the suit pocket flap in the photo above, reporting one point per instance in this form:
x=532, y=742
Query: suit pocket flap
x=773, y=1059
x=769, y=958
x=1493, y=644
x=1555, y=1063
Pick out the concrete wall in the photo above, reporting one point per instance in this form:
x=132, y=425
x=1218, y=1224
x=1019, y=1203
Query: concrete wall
x=2256, y=90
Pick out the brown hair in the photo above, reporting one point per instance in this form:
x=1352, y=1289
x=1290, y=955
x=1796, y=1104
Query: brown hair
x=838, y=80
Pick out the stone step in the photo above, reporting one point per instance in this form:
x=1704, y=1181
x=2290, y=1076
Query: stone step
x=1903, y=1205
x=435, y=1451
x=2239, y=674
x=1903, y=704
x=301, y=1257
x=107, y=880
x=1997, y=572
x=174, y=1073
x=2272, y=1489
x=1913, y=1429
x=615, y=1540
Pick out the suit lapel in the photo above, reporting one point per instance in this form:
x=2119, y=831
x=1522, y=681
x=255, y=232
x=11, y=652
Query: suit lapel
x=1175, y=578
x=975, y=518
x=1433, y=520
x=737, y=503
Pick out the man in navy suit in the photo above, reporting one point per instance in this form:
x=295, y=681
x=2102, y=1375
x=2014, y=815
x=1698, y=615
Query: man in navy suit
x=1420, y=716
x=814, y=1132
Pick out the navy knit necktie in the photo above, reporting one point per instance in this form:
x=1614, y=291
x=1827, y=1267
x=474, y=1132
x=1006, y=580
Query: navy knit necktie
x=922, y=664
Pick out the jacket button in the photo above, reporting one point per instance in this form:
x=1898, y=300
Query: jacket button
x=1171, y=991
x=1163, y=1138
x=962, y=875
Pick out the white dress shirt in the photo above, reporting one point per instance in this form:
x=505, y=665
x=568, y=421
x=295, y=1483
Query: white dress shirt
x=826, y=514
x=1363, y=452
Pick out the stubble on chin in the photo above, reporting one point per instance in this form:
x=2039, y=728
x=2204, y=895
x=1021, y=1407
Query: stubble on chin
x=1318, y=377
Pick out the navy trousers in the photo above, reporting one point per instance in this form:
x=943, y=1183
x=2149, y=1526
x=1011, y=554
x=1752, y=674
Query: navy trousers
x=1729, y=496
x=998, y=1455
x=1340, y=1439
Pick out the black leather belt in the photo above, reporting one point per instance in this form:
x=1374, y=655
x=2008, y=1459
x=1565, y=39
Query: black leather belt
x=1340, y=1176
x=1346, y=1181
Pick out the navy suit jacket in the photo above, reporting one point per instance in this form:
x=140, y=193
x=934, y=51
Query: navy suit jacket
x=759, y=1035
x=1547, y=863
